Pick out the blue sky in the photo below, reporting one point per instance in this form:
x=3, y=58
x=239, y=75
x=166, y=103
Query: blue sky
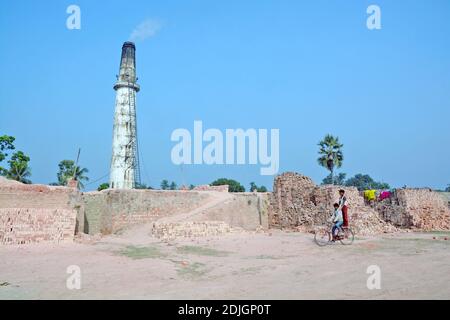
x=307, y=68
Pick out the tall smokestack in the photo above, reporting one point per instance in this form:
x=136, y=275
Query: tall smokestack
x=124, y=173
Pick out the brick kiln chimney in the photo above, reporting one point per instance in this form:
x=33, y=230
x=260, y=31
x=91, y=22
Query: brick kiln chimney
x=124, y=173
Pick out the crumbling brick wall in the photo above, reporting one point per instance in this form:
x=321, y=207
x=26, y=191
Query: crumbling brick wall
x=297, y=202
x=290, y=202
x=416, y=208
x=36, y=213
x=446, y=197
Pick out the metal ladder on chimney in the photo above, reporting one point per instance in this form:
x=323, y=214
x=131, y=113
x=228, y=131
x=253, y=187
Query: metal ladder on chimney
x=134, y=142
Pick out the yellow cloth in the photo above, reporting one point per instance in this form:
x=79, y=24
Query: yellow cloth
x=370, y=194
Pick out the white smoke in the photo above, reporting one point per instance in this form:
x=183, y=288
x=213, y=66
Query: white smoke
x=145, y=30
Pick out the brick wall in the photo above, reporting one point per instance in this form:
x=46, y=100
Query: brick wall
x=207, y=187
x=248, y=211
x=108, y=211
x=36, y=213
x=446, y=197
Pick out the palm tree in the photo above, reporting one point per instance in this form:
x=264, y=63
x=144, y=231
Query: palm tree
x=18, y=168
x=68, y=170
x=79, y=175
x=331, y=155
x=19, y=171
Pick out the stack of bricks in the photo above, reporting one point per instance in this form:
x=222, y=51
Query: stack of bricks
x=171, y=231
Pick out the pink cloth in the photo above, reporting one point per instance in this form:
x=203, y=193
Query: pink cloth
x=385, y=195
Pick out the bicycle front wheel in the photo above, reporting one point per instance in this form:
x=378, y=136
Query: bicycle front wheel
x=346, y=236
x=322, y=237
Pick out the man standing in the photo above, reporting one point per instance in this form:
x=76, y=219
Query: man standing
x=343, y=206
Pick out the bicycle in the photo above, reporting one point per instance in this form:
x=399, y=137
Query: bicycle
x=323, y=236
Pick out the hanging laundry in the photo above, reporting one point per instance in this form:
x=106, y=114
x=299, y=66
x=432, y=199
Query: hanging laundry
x=366, y=194
x=385, y=195
x=370, y=195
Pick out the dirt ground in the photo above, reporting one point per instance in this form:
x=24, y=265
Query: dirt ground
x=276, y=265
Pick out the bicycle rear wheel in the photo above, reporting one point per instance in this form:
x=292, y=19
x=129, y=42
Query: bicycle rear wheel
x=346, y=236
x=322, y=237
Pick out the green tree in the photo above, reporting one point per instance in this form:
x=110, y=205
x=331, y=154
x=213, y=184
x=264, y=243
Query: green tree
x=191, y=187
x=262, y=189
x=142, y=186
x=234, y=186
x=173, y=186
x=6, y=144
x=103, y=186
x=68, y=170
x=448, y=188
x=254, y=187
x=165, y=184
x=338, y=180
x=18, y=168
x=365, y=182
x=80, y=176
x=331, y=155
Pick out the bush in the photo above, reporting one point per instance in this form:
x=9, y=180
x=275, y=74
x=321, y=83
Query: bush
x=234, y=186
x=103, y=186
